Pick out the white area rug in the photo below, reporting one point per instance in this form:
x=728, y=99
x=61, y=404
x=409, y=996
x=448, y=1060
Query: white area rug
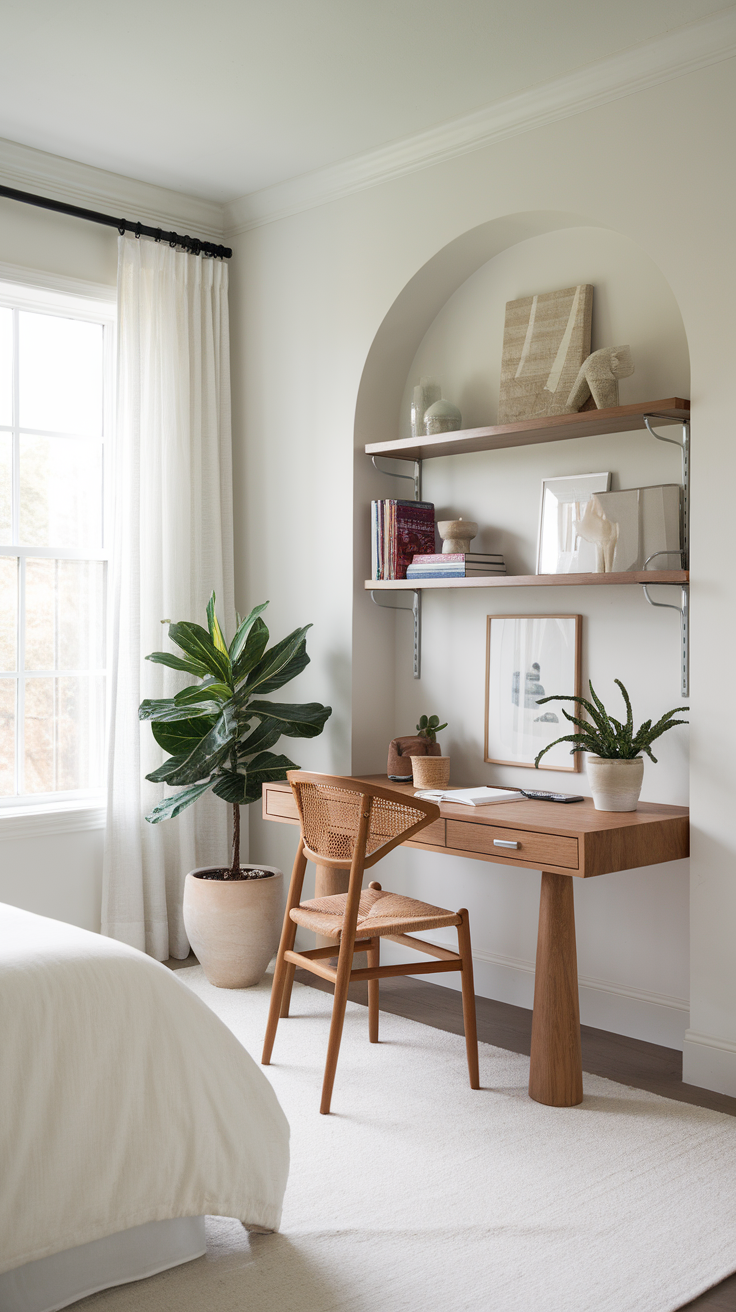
x=419, y=1195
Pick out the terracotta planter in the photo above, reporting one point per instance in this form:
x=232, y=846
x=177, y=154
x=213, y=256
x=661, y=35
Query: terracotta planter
x=430, y=771
x=234, y=925
x=615, y=785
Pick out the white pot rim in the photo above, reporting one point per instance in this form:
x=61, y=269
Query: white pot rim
x=614, y=760
x=271, y=872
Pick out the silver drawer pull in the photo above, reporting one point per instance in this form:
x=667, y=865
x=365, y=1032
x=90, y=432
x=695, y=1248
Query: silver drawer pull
x=504, y=842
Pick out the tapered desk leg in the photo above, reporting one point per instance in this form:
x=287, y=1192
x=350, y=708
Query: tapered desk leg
x=328, y=881
x=556, y=1071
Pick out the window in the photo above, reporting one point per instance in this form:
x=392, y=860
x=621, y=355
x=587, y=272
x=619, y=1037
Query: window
x=55, y=376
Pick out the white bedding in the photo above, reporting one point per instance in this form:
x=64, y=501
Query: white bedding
x=123, y=1098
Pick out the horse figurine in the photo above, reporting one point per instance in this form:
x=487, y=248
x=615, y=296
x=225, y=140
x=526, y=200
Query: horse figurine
x=603, y=533
x=599, y=376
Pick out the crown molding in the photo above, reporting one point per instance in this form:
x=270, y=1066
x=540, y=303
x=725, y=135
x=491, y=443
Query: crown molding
x=67, y=180
x=675, y=55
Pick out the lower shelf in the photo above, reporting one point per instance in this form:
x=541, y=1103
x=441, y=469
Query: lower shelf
x=531, y=581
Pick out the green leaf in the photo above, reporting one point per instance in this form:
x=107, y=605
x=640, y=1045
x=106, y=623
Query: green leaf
x=196, y=642
x=166, y=773
x=265, y=734
x=210, y=750
x=204, y=692
x=269, y=766
x=244, y=628
x=167, y=710
x=253, y=650
x=178, y=663
x=180, y=737
x=214, y=627
x=172, y=806
x=568, y=738
x=281, y=663
x=232, y=786
x=298, y=721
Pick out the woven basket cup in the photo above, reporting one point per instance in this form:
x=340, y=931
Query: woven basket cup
x=430, y=771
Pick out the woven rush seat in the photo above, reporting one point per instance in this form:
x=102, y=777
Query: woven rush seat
x=379, y=912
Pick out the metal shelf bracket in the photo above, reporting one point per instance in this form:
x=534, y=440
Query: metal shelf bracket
x=684, y=611
x=416, y=609
x=684, y=607
x=684, y=445
x=415, y=478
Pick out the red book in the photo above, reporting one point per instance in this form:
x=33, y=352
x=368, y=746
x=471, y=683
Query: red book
x=413, y=533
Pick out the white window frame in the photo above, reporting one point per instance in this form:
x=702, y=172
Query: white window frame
x=25, y=289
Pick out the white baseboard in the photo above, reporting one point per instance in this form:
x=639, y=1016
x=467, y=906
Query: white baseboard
x=709, y=1063
x=653, y=1017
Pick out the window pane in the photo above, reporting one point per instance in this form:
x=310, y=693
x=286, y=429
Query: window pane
x=65, y=614
x=6, y=365
x=7, y=737
x=60, y=492
x=63, y=734
x=60, y=374
x=8, y=611
x=6, y=455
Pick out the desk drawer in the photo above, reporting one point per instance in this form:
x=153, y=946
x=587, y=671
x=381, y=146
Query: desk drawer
x=536, y=850
x=279, y=805
x=433, y=835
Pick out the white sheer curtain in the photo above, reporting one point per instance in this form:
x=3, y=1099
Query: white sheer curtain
x=172, y=546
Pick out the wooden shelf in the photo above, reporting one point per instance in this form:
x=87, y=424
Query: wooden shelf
x=554, y=428
x=531, y=581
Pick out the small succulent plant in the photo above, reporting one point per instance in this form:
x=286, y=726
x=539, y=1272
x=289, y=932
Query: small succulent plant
x=607, y=737
x=429, y=726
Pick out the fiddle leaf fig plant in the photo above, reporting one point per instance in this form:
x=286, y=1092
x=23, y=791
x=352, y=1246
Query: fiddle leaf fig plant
x=606, y=736
x=219, y=731
x=429, y=726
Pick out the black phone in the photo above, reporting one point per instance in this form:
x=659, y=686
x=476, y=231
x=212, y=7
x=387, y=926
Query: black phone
x=535, y=795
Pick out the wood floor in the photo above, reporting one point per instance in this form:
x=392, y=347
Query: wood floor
x=628, y=1061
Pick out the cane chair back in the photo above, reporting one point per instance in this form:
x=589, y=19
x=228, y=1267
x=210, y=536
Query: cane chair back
x=330, y=811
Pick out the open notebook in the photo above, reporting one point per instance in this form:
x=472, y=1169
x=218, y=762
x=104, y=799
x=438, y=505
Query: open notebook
x=471, y=796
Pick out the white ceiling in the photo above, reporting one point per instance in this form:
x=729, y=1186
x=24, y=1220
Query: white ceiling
x=223, y=99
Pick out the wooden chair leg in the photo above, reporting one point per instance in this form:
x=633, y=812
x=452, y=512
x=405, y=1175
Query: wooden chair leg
x=286, y=993
x=281, y=974
x=469, y=1022
x=373, y=957
x=344, y=967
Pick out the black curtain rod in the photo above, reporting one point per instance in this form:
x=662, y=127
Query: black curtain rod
x=192, y=244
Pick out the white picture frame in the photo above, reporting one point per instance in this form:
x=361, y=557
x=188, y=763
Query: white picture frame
x=562, y=503
x=528, y=657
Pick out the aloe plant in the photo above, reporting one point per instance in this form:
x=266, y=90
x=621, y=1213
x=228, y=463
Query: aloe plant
x=429, y=726
x=218, y=732
x=606, y=736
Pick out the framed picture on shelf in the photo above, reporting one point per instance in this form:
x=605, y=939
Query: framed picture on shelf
x=562, y=548
x=528, y=657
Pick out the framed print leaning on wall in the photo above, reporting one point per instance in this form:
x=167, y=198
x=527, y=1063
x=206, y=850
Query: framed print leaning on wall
x=528, y=657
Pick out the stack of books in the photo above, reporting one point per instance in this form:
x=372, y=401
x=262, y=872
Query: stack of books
x=399, y=529
x=456, y=565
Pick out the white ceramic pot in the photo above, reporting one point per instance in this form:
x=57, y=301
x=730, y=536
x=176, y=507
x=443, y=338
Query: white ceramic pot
x=234, y=925
x=615, y=785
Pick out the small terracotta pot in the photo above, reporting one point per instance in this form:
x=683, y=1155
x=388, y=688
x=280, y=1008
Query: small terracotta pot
x=233, y=925
x=616, y=784
x=430, y=771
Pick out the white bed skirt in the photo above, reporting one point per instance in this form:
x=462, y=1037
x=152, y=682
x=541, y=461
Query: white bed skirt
x=63, y=1278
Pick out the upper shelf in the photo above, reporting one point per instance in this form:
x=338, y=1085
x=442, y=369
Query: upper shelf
x=554, y=428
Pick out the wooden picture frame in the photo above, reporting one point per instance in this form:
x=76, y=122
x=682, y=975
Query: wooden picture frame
x=530, y=656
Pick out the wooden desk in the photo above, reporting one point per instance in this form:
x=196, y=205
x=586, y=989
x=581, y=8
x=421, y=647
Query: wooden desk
x=561, y=841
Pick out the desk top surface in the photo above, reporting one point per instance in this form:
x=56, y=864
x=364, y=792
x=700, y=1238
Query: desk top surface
x=571, y=818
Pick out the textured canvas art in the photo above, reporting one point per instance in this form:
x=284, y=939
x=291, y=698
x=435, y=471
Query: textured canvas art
x=545, y=341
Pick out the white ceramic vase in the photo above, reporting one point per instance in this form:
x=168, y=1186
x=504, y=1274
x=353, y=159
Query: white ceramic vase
x=615, y=784
x=233, y=925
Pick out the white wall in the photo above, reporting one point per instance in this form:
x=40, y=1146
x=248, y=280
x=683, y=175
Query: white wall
x=50, y=867
x=313, y=291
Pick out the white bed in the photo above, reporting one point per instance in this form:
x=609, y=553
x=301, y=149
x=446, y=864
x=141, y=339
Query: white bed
x=124, y=1102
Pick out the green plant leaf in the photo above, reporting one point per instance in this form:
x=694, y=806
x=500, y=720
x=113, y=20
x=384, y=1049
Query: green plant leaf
x=232, y=786
x=568, y=738
x=180, y=737
x=211, y=690
x=213, y=625
x=178, y=663
x=210, y=750
x=256, y=644
x=281, y=663
x=265, y=734
x=167, y=710
x=196, y=642
x=166, y=773
x=295, y=721
x=172, y=806
x=244, y=628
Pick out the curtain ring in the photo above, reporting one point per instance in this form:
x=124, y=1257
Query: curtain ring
x=122, y=227
x=158, y=234
x=138, y=229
